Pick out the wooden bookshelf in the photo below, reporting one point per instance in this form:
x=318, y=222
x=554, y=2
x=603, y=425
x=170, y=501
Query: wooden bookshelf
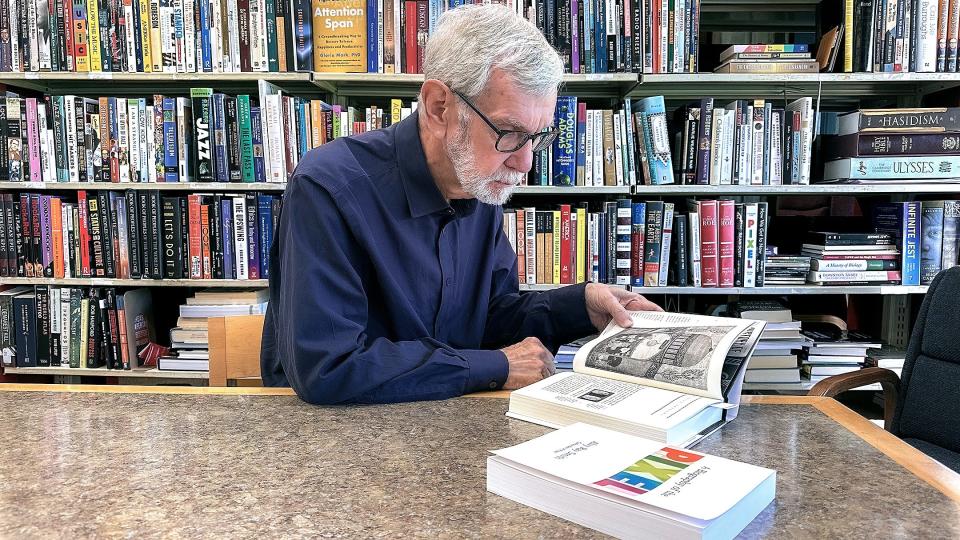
x=146, y=373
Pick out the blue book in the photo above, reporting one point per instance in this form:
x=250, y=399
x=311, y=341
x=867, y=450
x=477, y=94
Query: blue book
x=302, y=35
x=638, y=229
x=373, y=41
x=951, y=234
x=657, y=139
x=265, y=214
x=303, y=136
x=902, y=222
x=221, y=169
x=565, y=145
x=226, y=231
x=256, y=127
x=171, y=159
x=893, y=168
x=206, y=52
x=931, y=240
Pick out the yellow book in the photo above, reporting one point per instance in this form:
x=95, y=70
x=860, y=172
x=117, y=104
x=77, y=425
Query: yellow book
x=340, y=36
x=93, y=43
x=556, y=247
x=156, y=39
x=582, y=256
x=396, y=106
x=848, y=38
x=81, y=46
x=146, y=50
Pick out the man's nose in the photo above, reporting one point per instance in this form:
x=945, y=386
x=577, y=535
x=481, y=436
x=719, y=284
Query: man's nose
x=522, y=159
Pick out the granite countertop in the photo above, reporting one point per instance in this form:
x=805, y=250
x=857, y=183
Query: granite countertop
x=80, y=465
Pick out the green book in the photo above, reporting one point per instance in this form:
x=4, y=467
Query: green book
x=273, y=58
x=246, y=137
x=76, y=341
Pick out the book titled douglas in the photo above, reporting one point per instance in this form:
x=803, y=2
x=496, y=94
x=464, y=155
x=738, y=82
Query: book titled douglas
x=621, y=485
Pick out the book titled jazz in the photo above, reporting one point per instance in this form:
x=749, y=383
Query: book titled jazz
x=893, y=168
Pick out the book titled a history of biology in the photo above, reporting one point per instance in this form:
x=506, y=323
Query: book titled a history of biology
x=671, y=377
x=631, y=487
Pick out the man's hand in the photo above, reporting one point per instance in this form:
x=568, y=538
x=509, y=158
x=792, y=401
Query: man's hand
x=529, y=362
x=605, y=303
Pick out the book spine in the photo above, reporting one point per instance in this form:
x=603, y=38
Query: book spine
x=240, y=237
x=624, y=234
x=265, y=229
x=564, y=146
x=705, y=137
x=665, y=244
x=246, y=139
x=762, y=219
x=739, y=223
x=201, y=98
x=726, y=234
x=638, y=235
x=227, y=236
x=253, y=251
x=43, y=325
x=652, y=243
x=750, y=246
x=172, y=250
x=232, y=131
x=894, y=168
x=195, y=246
x=709, y=247
x=206, y=265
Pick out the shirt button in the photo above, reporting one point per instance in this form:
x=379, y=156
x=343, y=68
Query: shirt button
x=493, y=385
x=449, y=282
x=449, y=211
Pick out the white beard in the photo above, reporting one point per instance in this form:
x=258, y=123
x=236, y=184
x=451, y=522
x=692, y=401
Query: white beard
x=494, y=188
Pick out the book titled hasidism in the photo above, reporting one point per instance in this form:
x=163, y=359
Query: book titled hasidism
x=631, y=487
x=671, y=377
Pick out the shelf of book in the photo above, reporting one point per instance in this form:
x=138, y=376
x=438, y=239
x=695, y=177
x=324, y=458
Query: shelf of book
x=107, y=282
x=408, y=84
x=786, y=190
x=198, y=187
x=778, y=291
x=572, y=190
x=150, y=373
x=120, y=83
x=850, y=86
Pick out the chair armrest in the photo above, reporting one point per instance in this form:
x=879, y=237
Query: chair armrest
x=831, y=386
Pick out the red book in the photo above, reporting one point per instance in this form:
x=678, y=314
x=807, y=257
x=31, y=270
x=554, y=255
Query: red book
x=726, y=234
x=194, y=234
x=521, y=241
x=410, y=54
x=84, y=234
x=709, y=261
x=205, y=239
x=566, y=252
x=423, y=31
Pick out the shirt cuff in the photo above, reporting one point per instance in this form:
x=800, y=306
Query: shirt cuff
x=488, y=370
x=568, y=310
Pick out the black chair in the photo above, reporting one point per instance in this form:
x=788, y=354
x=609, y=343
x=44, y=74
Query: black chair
x=923, y=408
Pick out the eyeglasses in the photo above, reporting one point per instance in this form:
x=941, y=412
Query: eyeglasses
x=511, y=140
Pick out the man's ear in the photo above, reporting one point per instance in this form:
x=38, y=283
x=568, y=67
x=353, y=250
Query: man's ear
x=435, y=109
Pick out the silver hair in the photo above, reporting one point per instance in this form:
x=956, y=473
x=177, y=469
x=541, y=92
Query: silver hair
x=471, y=41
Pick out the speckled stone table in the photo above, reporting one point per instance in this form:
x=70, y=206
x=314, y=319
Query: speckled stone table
x=140, y=465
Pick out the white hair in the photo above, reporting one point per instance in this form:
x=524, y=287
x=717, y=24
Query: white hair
x=471, y=41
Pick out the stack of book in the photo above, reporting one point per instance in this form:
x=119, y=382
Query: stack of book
x=189, y=341
x=772, y=58
x=927, y=234
x=886, y=357
x=745, y=142
x=852, y=258
x=830, y=355
x=775, y=359
x=902, y=145
x=786, y=270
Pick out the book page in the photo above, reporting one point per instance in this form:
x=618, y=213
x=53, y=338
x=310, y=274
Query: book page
x=673, y=351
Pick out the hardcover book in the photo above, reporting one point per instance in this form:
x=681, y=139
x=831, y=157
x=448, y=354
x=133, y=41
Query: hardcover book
x=669, y=377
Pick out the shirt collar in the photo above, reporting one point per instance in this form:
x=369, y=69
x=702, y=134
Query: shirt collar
x=423, y=195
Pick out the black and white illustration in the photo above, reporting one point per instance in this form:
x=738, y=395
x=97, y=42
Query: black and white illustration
x=675, y=355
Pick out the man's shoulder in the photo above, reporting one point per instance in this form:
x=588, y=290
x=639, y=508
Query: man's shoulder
x=349, y=163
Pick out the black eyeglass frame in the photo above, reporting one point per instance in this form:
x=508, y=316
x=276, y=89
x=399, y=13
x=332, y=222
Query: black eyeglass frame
x=540, y=140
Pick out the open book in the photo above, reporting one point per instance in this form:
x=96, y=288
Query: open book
x=671, y=377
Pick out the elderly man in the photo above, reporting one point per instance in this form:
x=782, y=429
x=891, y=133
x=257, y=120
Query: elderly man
x=390, y=276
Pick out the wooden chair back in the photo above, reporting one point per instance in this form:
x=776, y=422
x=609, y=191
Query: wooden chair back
x=235, y=350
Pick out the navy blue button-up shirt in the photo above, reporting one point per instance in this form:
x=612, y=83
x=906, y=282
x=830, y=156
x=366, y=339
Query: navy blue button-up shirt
x=382, y=291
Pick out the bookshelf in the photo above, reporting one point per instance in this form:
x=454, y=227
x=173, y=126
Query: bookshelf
x=151, y=373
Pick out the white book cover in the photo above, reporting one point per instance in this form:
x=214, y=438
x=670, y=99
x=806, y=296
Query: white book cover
x=190, y=43
x=216, y=36
x=240, y=237
x=233, y=31
x=54, y=300
x=594, y=251
x=123, y=139
x=926, y=51
x=598, y=160
x=588, y=150
x=66, y=219
x=168, y=39
x=805, y=107
x=694, y=247
x=726, y=146
x=510, y=221
x=184, y=136
x=43, y=33
x=150, y=139
x=746, y=172
x=46, y=149
x=640, y=474
x=258, y=36
x=128, y=36
x=756, y=165
x=133, y=120
x=73, y=157
x=750, y=245
x=15, y=53
x=716, y=147
x=679, y=32
x=32, y=28
x=776, y=149
x=397, y=34
x=179, y=44
x=380, y=35
x=617, y=148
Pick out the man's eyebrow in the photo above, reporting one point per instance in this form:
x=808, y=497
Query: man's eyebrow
x=513, y=123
